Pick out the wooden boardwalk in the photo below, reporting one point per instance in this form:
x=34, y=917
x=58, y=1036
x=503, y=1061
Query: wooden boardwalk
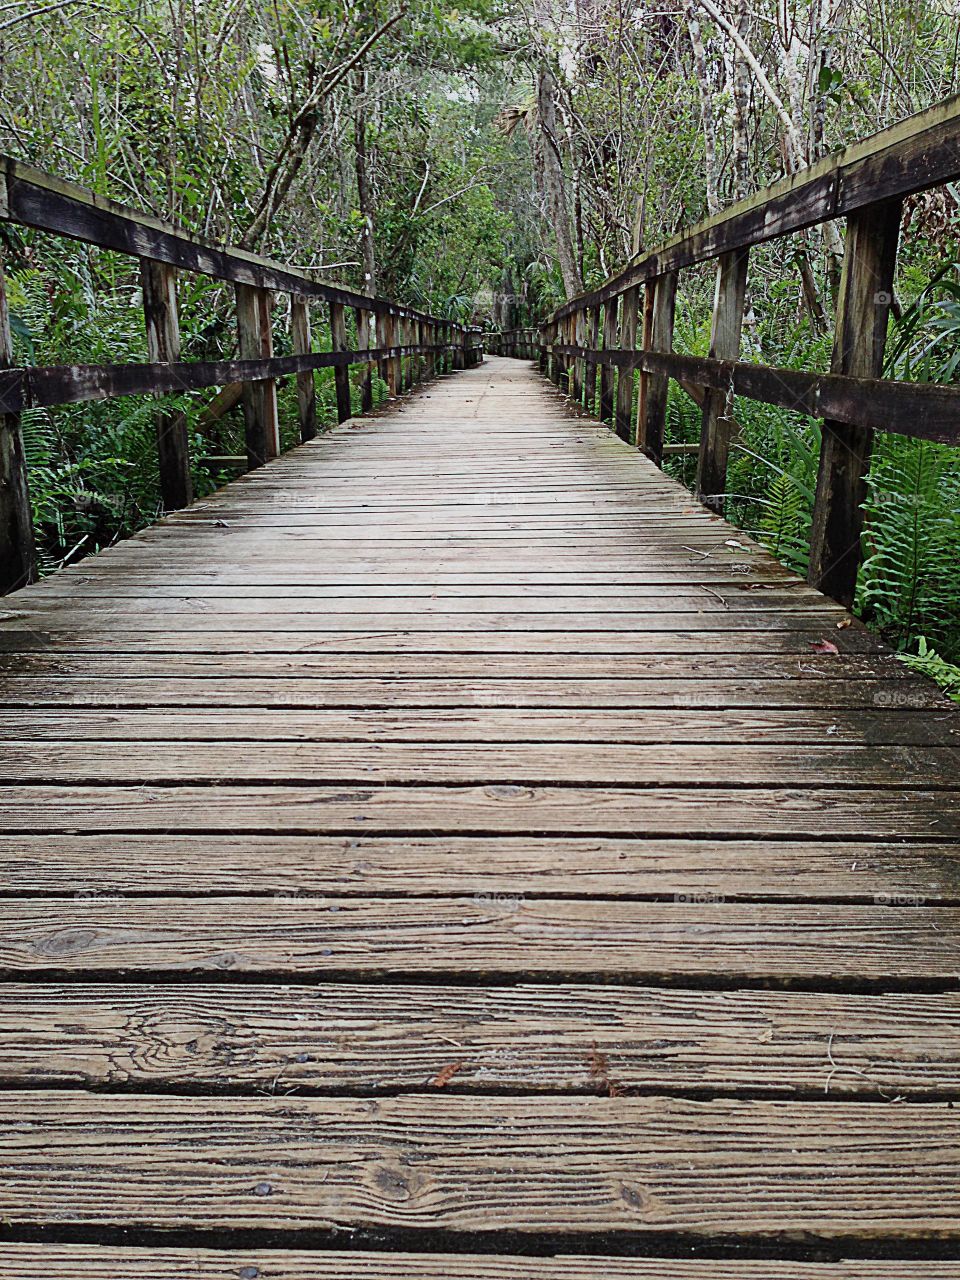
x=450, y=847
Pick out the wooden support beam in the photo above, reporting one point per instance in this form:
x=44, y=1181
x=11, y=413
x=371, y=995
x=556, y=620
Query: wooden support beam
x=866, y=291
x=718, y=425
x=608, y=373
x=341, y=374
x=159, y=282
x=591, y=341
x=625, y=379
x=306, y=382
x=579, y=374
x=366, y=339
x=656, y=385
x=18, y=562
x=259, y=398
x=268, y=386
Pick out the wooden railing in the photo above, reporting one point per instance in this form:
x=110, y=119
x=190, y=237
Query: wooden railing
x=866, y=183
x=521, y=344
x=405, y=344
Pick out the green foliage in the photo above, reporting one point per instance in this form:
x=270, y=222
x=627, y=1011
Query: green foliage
x=929, y=663
x=908, y=581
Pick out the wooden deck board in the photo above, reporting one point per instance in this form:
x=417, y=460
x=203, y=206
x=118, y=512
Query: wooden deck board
x=39, y=1262
x=460, y=774
x=564, y=1166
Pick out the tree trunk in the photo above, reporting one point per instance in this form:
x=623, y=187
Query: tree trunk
x=706, y=111
x=368, y=247
x=554, y=184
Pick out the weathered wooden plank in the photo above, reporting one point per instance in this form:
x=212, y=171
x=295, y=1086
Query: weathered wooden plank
x=629, y=309
x=302, y=343
x=159, y=284
x=565, y=1166
x=866, y=292
x=823, y=767
x=394, y=693
x=526, y=1039
x=352, y=664
x=658, y=336
x=102, y=1262
x=861, y=870
x=495, y=935
x=895, y=726
x=341, y=373
x=608, y=374
x=398, y=640
x=926, y=411
x=17, y=551
x=718, y=427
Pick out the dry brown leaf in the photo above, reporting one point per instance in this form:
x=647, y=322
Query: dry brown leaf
x=446, y=1075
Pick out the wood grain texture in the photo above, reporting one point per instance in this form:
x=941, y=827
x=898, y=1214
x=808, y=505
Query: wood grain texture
x=39, y=1262
x=171, y=863
x=525, y=1039
x=458, y=770
x=484, y=934
x=655, y=1165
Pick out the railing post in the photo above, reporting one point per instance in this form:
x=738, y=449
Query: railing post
x=718, y=424
x=656, y=385
x=341, y=372
x=569, y=337
x=306, y=385
x=608, y=372
x=364, y=343
x=579, y=363
x=159, y=284
x=433, y=357
x=384, y=340
x=863, y=309
x=18, y=560
x=543, y=337
x=628, y=341
x=591, y=341
x=259, y=397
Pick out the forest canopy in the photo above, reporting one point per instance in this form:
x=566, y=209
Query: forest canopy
x=483, y=160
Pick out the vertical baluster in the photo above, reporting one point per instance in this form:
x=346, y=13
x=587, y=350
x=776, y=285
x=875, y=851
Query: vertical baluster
x=592, y=342
x=866, y=291
x=18, y=564
x=718, y=424
x=341, y=372
x=578, y=380
x=608, y=372
x=259, y=397
x=625, y=380
x=159, y=283
x=656, y=385
x=364, y=342
x=306, y=383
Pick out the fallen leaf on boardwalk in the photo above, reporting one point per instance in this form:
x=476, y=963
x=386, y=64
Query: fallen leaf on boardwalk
x=597, y=1062
x=446, y=1075
x=823, y=646
x=844, y=622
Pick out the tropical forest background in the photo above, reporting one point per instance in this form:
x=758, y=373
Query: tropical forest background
x=482, y=160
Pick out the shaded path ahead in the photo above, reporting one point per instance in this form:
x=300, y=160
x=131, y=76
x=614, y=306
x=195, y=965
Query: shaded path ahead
x=451, y=839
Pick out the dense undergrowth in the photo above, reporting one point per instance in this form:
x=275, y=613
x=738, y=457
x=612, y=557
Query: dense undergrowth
x=909, y=582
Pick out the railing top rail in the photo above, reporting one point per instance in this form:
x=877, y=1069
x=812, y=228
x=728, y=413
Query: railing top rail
x=919, y=152
x=41, y=200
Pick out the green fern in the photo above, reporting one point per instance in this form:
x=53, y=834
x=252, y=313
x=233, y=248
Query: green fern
x=929, y=663
x=785, y=523
x=912, y=538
